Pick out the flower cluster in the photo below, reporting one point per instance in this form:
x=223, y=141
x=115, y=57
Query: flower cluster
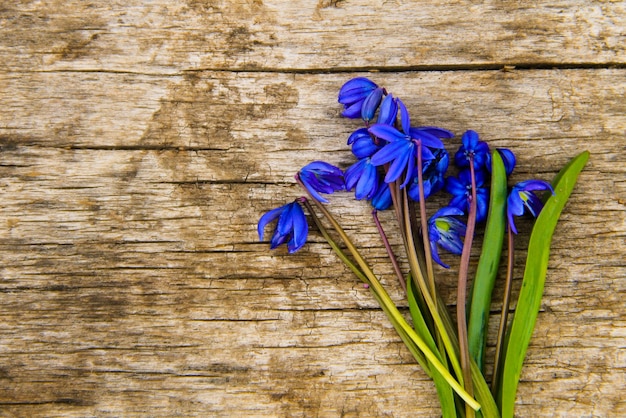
x=390, y=151
x=400, y=165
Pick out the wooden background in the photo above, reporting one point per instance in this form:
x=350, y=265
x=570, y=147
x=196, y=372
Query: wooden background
x=142, y=140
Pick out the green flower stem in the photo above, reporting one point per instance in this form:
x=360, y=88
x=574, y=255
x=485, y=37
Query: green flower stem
x=446, y=395
x=461, y=297
x=505, y=311
x=417, y=354
x=394, y=315
x=416, y=274
x=488, y=409
x=529, y=301
x=488, y=263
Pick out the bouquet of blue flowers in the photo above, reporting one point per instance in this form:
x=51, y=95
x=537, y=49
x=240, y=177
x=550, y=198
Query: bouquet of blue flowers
x=398, y=166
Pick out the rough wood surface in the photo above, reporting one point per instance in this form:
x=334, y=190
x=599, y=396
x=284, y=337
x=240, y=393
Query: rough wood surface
x=139, y=144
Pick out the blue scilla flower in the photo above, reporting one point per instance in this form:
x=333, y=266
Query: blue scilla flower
x=363, y=144
x=352, y=95
x=371, y=103
x=461, y=190
x=364, y=176
x=433, y=175
x=508, y=158
x=401, y=147
x=521, y=197
x=388, y=111
x=472, y=147
x=382, y=199
x=319, y=176
x=445, y=231
x=292, y=226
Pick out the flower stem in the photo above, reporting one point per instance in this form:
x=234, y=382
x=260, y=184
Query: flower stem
x=424, y=222
x=392, y=311
x=462, y=288
x=505, y=311
x=392, y=257
x=418, y=277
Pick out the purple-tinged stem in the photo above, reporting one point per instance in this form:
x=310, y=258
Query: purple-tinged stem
x=461, y=297
x=392, y=257
x=505, y=310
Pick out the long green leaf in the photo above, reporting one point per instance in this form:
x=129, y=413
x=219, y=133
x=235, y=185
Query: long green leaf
x=533, y=283
x=488, y=409
x=446, y=395
x=487, y=269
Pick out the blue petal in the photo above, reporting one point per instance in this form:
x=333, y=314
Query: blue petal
x=470, y=139
x=358, y=134
x=447, y=211
x=267, y=218
x=508, y=158
x=533, y=185
x=353, y=111
x=410, y=169
x=533, y=204
x=389, y=152
x=365, y=147
x=451, y=243
x=435, y=255
x=300, y=229
x=371, y=103
x=382, y=200
x=312, y=191
x=459, y=201
x=405, y=119
x=368, y=182
x=353, y=173
x=356, y=87
x=455, y=186
x=426, y=138
x=277, y=239
x=387, y=132
x=397, y=166
x=482, y=204
x=436, y=131
x=388, y=111
x=285, y=221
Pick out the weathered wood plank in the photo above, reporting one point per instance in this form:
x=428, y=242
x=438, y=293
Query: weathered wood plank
x=226, y=112
x=165, y=37
x=133, y=281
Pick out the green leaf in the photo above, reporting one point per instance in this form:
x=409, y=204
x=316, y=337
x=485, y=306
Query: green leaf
x=533, y=283
x=444, y=391
x=482, y=288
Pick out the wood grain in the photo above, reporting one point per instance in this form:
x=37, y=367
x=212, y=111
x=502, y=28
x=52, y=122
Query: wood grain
x=165, y=37
x=139, y=144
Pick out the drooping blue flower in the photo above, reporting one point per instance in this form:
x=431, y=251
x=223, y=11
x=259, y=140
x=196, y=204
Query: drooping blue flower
x=433, y=175
x=363, y=144
x=382, y=200
x=371, y=103
x=445, y=231
x=472, y=147
x=508, y=158
x=352, y=95
x=292, y=226
x=364, y=176
x=521, y=197
x=401, y=147
x=461, y=190
x=388, y=111
x=319, y=176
